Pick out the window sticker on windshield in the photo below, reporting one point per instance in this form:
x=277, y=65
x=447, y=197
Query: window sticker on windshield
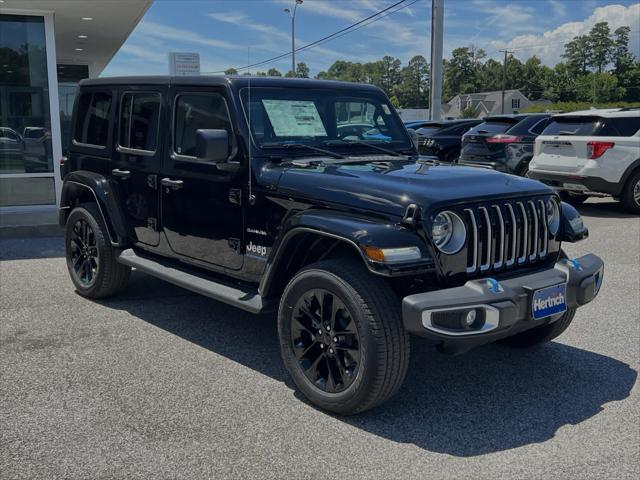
x=385, y=109
x=294, y=118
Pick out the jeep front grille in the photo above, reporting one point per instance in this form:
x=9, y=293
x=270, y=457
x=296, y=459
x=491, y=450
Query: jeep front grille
x=504, y=235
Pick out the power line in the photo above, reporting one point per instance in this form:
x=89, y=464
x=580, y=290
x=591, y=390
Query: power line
x=351, y=28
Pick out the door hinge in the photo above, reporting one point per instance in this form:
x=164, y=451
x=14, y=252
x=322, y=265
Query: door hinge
x=152, y=223
x=234, y=244
x=235, y=196
x=152, y=181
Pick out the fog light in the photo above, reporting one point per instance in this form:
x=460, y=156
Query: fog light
x=470, y=318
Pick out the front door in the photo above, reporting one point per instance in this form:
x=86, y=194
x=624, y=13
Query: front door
x=137, y=160
x=201, y=213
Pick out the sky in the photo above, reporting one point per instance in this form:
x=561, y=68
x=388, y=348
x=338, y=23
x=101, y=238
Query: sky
x=234, y=33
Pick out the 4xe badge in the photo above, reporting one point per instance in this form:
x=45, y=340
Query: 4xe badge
x=549, y=301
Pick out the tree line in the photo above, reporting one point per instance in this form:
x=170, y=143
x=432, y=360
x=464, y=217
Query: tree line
x=597, y=67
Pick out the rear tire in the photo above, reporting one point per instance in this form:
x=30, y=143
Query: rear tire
x=364, y=362
x=631, y=194
x=91, y=260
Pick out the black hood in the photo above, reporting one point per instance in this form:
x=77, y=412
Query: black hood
x=390, y=186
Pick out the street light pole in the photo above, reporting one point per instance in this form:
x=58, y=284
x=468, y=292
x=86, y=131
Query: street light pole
x=292, y=14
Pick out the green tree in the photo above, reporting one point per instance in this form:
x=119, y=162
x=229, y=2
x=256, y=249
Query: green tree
x=578, y=54
x=559, y=84
x=273, y=72
x=231, y=71
x=468, y=112
x=413, y=92
x=598, y=87
x=489, y=76
x=533, y=78
x=302, y=71
x=622, y=58
x=389, y=73
x=459, y=73
x=602, y=46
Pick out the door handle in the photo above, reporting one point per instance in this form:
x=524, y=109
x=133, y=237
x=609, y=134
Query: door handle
x=121, y=173
x=172, y=184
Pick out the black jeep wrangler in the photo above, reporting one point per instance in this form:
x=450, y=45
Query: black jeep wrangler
x=309, y=198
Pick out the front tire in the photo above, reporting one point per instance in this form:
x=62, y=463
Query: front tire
x=341, y=336
x=91, y=260
x=631, y=194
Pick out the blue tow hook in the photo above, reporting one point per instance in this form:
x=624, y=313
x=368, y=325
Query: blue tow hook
x=494, y=285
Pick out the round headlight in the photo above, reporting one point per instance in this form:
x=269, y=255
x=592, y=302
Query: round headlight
x=448, y=232
x=553, y=216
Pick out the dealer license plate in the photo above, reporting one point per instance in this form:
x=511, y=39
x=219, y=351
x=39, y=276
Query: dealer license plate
x=549, y=301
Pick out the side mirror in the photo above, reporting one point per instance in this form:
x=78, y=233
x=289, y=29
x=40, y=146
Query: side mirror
x=414, y=137
x=212, y=146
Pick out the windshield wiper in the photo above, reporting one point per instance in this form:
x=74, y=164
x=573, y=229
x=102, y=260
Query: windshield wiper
x=329, y=153
x=366, y=144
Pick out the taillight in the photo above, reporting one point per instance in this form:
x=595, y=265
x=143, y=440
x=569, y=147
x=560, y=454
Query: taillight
x=503, y=139
x=597, y=149
x=63, y=160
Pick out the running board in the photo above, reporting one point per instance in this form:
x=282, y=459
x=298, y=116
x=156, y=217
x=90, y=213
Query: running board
x=246, y=299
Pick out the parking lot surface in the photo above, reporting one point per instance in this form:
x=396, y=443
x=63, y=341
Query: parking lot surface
x=161, y=383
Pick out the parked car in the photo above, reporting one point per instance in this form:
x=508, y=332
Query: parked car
x=239, y=189
x=37, y=150
x=11, y=143
x=416, y=124
x=592, y=152
x=503, y=143
x=443, y=139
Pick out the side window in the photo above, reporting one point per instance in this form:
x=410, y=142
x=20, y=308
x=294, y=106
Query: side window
x=194, y=112
x=539, y=127
x=609, y=129
x=627, y=126
x=92, y=121
x=139, y=121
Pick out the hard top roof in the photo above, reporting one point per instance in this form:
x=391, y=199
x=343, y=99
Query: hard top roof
x=239, y=81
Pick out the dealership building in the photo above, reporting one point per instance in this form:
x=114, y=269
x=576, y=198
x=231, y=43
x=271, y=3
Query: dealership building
x=46, y=48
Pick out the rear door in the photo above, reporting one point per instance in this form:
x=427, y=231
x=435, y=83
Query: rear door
x=562, y=147
x=202, y=214
x=137, y=159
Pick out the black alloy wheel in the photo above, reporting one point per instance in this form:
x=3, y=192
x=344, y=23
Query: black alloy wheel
x=325, y=340
x=84, y=253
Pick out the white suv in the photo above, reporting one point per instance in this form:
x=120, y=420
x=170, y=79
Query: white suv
x=591, y=152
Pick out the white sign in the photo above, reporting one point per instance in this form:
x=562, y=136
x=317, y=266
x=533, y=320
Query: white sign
x=182, y=64
x=294, y=118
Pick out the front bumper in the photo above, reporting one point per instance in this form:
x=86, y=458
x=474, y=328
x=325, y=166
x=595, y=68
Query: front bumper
x=506, y=304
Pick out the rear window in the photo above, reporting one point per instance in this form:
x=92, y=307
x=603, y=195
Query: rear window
x=92, y=124
x=492, y=126
x=524, y=127
x=139, y=117
x=576, y=126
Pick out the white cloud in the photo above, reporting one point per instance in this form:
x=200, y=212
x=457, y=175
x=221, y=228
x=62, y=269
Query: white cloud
x=549, y=45
x=165, y=32
x=559, y=8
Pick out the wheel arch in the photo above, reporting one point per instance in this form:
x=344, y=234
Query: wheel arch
x=312, y=236
x=90, y=187
x=628, y=173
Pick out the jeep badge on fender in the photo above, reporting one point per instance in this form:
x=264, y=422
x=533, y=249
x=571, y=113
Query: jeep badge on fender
x=308, y=198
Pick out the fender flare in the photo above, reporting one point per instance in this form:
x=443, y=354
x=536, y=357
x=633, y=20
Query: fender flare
x=81, y=183
x=356, y=231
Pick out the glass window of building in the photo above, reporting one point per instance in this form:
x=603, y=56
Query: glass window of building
x=25, y=120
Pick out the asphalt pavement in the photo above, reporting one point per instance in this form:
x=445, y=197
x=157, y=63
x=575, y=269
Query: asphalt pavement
x=161, y=383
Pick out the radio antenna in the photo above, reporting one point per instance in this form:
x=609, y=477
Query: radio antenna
x=252, y=198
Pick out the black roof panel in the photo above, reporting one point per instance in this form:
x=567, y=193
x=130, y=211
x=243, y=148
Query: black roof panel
x=237, y=81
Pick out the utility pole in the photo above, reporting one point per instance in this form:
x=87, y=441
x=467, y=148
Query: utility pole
x=437, y=38
x=292, y=14
x=504, y=76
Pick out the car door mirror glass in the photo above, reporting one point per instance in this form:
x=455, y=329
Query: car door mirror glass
x=212, y=145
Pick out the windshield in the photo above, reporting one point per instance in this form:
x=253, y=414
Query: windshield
x=322, y=117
